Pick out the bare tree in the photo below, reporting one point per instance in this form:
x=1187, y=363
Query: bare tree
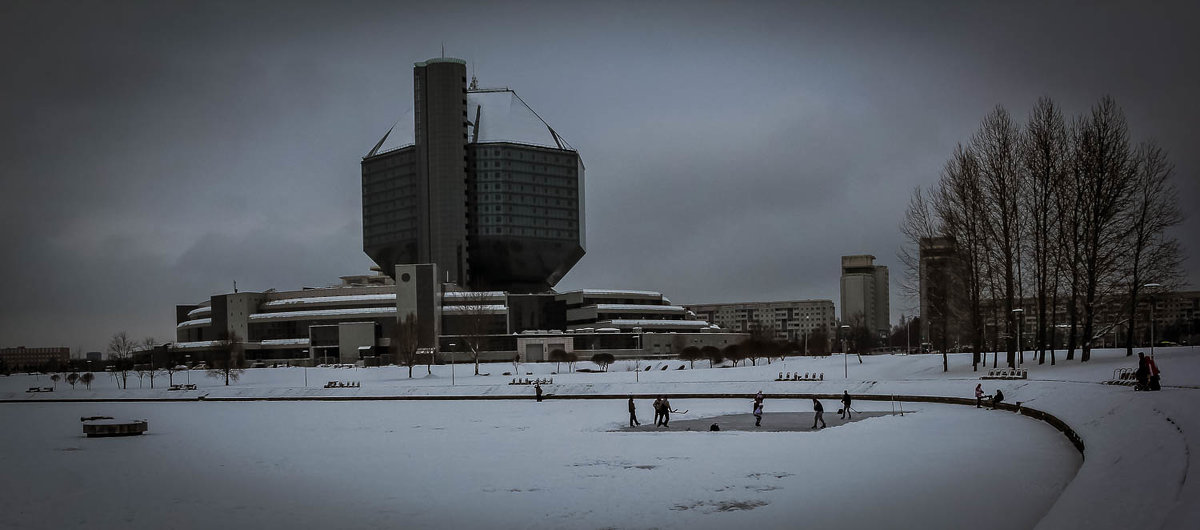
x=72, y=378
x=230, y=360
x=148, y=345
x=405, y=342
x=603, y=359
x=559, y=356
x=1044, y=165
x=1153, y=256
x=957, y=201
x=995, y=145
x=475, y=315
x=87, y=379
x=54, y=378
x=1105, y=169
x=120, y=350
x=691, y=354
x=713, y=354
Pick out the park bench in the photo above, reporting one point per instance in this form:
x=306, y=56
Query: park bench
x=1124, y=376
x=1007, y=373
x=181, y=387
x=40, y=389
x=527, y=381
x=814, y=376
x=342, y=384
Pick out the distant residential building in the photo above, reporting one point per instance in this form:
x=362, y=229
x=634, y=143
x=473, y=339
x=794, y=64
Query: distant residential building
x=789, y=320
x=94, y=356
x=944, y=304
x=865, y=294
x=1176, y=318
x=21, y=357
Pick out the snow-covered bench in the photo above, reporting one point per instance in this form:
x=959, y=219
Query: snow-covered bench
x=182, y=387
x=1007, y=373
x=797, y=377
x=527, y=381
x=40, y=389
x=341, y=384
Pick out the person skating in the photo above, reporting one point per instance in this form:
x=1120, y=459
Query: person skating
x=633, y=421
x=666, y=412
x=537, y=387
x=845, y=405
x=818, y=410
x=658, y=411
x=979, y=395
x=757, y=408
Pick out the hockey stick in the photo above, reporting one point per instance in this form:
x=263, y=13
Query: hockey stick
x=679, y=412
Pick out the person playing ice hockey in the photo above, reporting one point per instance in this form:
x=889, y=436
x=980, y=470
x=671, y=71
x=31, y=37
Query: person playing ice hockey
x=537, y=387
x=819, y=410
x=845, y=404
x=666, y=411
x=658, y=411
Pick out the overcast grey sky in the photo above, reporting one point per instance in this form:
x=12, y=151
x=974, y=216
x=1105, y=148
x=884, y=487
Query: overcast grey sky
x=155, y=152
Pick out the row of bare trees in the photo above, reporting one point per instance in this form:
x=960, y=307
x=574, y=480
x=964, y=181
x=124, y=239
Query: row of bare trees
x=1045, y=216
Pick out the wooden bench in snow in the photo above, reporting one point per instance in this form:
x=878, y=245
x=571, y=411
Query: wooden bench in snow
x=181, y=387
x=526, y=381
x=1007, y=373
x=341, y=384
x=797, y=377
x=1123, y=376
x=40, y=389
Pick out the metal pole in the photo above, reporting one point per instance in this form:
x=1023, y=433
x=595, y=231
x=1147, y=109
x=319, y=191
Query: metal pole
x=1151, y=286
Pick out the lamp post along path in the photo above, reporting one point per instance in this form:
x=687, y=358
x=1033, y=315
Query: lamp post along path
x=1151, y=286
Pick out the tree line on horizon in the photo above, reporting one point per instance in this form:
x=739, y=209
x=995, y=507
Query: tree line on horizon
x=1049, y=215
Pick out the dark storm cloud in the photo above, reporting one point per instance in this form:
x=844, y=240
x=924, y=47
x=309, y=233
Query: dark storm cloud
x=154, y=153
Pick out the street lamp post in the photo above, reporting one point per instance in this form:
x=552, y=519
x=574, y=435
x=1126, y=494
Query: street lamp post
x=189, y=370
x=806, y=331
x=1020, y=313
x=451, y=363
x=1151, y=286
x=845, y=354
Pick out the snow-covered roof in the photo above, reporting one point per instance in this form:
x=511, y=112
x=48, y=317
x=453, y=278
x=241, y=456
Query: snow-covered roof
x=199, y=311
x=640, y=308
x=481, y=308
x=325, y=313
x=697, y=324
x=476, y=294
x=195, y=344
x=285, y=342
x=332, y=300
x=194, y=323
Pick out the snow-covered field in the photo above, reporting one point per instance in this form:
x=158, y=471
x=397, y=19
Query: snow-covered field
x=565, y=463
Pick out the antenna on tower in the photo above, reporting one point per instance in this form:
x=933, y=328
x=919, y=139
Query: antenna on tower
x=443, y=49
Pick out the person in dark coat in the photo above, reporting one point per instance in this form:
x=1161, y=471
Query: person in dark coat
x=666, y=412
x=1143, y=372
x=845, y=404
x=819, y=410
x=658, y=411
x=537, y=387
x=996, y=399
x=633, y=421
x=758, y=411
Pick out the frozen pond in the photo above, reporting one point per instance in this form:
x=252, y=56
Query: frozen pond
x=517, y=464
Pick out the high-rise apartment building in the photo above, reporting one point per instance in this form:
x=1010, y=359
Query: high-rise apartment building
x=943, y=294
x=865, y=294
x=800, y=321
x=487, y=191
